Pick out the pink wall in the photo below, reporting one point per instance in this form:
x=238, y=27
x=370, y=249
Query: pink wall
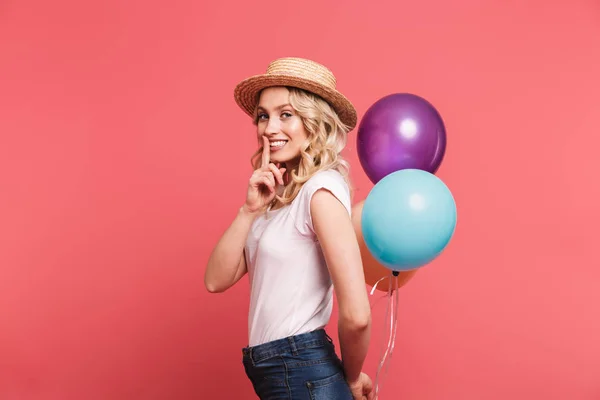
x=118, y=128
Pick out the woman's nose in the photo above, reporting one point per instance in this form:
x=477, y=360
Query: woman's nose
x=272, y=126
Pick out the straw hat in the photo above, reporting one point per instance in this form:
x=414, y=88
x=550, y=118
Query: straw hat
x=300, y=73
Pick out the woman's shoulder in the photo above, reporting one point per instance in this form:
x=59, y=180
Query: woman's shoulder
x=330, y=180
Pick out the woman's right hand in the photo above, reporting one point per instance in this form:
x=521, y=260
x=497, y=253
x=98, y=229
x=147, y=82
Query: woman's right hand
x=262, y=186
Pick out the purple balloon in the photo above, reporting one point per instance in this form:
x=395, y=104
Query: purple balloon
x=400, y=131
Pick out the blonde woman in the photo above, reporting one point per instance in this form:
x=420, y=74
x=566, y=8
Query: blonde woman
x=294, y=237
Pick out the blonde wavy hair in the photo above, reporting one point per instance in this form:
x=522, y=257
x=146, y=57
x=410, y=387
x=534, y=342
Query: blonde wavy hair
x=327, y=137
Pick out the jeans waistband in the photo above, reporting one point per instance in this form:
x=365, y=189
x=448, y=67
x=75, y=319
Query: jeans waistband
x=289, y=345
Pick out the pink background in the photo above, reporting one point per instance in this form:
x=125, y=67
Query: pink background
x=123, y=157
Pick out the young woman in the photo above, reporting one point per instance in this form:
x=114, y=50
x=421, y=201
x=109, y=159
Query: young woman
x=294, y=237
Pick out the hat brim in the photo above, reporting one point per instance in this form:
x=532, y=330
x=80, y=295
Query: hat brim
x=246, y=95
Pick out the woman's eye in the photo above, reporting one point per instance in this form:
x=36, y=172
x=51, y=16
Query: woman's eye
x=286, y=114
x=262, y=117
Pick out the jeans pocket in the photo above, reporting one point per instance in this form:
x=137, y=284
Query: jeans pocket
x=333, y=387
x=269, y=378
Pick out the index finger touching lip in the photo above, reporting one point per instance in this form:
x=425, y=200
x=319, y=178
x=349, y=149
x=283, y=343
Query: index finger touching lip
x=266, y=152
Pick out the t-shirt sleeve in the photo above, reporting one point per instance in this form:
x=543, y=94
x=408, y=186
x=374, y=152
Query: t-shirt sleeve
x=329, y=180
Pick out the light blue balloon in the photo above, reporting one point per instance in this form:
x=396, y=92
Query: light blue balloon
x=408, y=219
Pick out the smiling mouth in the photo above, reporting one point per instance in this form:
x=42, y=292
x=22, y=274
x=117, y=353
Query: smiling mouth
x=278, y=144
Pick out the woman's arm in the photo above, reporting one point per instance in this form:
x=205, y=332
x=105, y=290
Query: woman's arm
x=227, y=263
x=335, y=232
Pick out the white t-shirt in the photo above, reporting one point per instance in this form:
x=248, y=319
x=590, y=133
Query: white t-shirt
x=290, y=287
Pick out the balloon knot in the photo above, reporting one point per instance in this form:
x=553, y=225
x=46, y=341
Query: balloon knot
x=395, y=273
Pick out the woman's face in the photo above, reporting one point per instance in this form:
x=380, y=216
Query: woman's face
x=279, y=123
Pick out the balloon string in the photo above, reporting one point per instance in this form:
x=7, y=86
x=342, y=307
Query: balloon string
x=377, y=300
x=384, y=348
x=391, y=324
x=373, y=291
x=377, y=283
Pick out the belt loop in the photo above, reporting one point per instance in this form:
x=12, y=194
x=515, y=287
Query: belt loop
x=251, y=356
x=293, y=346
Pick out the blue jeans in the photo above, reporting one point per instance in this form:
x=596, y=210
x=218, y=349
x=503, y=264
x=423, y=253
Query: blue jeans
x=301, y=367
